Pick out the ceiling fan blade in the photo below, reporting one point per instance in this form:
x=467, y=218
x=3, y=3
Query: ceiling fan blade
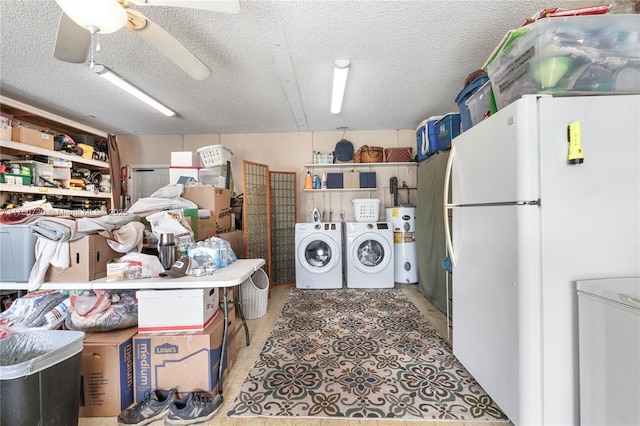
x=73, y=42
x=224, y=6
x=166, y=44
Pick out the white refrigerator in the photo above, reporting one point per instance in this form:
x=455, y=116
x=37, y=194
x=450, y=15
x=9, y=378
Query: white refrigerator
x=527, y=225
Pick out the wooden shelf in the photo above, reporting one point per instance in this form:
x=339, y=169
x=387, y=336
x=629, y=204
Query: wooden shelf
x=358, y=165
x=44, y=190
x=339, y=190
x=19, y=148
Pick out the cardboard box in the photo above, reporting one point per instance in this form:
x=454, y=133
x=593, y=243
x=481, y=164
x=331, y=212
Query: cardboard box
x=206, y=227
x=367, y=179
x=106, y=384
x=31, y=136
x=351, y=180
x=208, y=197
x=187, y=360
x=185, y=159
x=176, y=310
x=236, y=240
x=89, y=256
x=5, y=133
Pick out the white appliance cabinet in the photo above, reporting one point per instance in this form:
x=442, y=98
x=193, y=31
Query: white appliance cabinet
x=528, y=226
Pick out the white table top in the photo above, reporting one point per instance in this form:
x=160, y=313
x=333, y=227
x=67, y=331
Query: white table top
x=229, y=276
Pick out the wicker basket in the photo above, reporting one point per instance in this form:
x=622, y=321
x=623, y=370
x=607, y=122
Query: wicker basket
x=255, y=295
x=214, y=155
x=398, y=155
x=371, y=154
x=356, y=156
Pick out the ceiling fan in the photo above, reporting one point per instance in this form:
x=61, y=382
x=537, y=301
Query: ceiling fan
x=82, y=19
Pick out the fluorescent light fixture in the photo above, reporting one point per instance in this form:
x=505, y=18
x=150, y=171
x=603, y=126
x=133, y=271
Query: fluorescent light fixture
x=339, y=82
x=106, y=16
x=114, y=78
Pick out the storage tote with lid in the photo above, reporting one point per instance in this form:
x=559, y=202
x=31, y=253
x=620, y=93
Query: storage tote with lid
x=568, y=56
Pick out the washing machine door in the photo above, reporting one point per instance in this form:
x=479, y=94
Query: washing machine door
x=371, y=253
x=318, y=254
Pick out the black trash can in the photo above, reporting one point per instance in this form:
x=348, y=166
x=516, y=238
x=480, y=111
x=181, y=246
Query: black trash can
x=40, y=378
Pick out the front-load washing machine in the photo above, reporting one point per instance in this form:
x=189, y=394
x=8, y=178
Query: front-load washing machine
x=369, y=255
x=318, y=255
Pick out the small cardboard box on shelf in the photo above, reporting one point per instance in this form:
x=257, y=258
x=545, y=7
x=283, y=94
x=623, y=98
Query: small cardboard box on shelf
x=31, y=136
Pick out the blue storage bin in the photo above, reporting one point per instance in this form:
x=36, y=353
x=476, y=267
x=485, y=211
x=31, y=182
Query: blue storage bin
x=427, y=138
x=335, y=181
x=447, y=128
x=367, y=179
x=464, y=95
x=422, y=141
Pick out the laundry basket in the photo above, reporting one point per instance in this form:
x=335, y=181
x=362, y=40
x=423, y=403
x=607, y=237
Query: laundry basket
x=214, y=155
x=255, y=294
x=366, y=210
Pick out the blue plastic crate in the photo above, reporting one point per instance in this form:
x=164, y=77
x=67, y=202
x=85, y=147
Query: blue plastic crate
x=464, y=95
x=447, y=128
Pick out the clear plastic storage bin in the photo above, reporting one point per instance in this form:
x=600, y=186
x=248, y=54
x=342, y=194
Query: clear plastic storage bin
x=568, y=56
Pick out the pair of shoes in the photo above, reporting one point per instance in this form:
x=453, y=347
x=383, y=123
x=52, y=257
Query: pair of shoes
x=193, y=408
x=155, y=406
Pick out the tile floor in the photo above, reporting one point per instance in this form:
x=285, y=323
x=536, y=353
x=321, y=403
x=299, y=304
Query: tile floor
x=259, y=330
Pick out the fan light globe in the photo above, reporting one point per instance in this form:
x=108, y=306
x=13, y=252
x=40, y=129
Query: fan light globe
x=105, y=15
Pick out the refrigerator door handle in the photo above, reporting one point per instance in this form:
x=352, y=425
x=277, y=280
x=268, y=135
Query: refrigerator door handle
x=447, y=206
x=629, y=300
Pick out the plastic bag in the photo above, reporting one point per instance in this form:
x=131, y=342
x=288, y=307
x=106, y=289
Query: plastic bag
x=122, y=312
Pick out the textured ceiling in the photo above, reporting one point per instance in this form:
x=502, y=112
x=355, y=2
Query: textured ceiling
x=272, y=64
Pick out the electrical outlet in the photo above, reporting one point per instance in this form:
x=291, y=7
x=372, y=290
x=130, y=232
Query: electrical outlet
x=341, y=215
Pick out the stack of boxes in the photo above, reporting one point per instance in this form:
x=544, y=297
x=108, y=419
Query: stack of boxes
x=178, y=340
x=184, y=164
x=120, y=367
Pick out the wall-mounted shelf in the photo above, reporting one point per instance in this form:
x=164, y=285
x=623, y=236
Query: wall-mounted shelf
x=45, y=190
x=319, y=191
x=19, y=148
x=358, y=165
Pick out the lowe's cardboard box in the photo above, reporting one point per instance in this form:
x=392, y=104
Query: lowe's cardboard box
x=188, y=361
x=106, y=384
x=89, y=256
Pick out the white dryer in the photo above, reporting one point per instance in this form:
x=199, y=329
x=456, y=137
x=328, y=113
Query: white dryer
x=369, y=255
x=319, y=255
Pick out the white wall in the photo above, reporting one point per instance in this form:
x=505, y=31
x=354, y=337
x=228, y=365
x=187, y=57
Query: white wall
x=286, y=152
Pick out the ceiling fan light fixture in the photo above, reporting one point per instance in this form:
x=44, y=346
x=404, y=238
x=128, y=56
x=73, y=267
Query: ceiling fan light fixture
x=340, y=73
x=115, y=79
x=106, y=15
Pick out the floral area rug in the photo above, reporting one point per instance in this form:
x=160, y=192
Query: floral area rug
x=356, y=353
